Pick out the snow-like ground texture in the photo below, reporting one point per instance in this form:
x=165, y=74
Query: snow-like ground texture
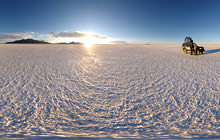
x=119, y=91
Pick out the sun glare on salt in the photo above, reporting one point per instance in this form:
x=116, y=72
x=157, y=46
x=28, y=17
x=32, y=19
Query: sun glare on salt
x=89, y=41
x=88, y=45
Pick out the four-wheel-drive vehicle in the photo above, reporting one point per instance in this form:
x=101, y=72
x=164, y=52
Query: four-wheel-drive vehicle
x=189, y=46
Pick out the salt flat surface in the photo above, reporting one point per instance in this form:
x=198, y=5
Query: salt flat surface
x=114, y=91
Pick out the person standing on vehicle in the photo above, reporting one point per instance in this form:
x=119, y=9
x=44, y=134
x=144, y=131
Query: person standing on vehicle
x=195, y=47
x=191, y=46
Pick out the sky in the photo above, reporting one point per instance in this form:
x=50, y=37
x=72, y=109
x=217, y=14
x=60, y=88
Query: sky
x=111, y=21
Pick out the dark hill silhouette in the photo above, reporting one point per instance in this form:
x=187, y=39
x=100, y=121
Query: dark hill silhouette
x=69, y=43
x=28, y=41
x=75, y=42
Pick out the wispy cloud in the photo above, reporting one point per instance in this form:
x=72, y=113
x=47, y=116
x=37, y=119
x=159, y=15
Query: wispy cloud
x=12, y=36
x=77, y=34
x=65, y=36
x=99, y=36
x=118, y=42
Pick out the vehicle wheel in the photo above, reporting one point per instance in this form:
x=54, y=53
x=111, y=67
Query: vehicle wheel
x=194, y=52
x=185, y=51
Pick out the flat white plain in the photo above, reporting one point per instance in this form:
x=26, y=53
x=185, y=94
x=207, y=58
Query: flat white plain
x=118, y=91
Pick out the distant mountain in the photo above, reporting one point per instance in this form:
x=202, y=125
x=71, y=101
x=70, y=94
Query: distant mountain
x=28, y=41
x=69, y=43
x=75, y=42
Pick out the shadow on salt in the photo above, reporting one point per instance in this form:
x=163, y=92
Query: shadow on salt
x=212, y=51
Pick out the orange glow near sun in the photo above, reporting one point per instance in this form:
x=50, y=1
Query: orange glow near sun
x=89, y=40
x=88, y=45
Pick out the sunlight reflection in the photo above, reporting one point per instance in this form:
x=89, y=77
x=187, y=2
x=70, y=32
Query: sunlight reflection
x=89, y=41
x=88, y=45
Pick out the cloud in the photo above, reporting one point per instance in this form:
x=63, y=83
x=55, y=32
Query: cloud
x=11, y=36
x=77, y=34
x=65, y=36
x=68, y=34
x=99, y=36
x=118, y=42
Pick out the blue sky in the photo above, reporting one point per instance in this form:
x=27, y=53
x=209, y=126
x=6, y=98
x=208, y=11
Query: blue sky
x=132, y=21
